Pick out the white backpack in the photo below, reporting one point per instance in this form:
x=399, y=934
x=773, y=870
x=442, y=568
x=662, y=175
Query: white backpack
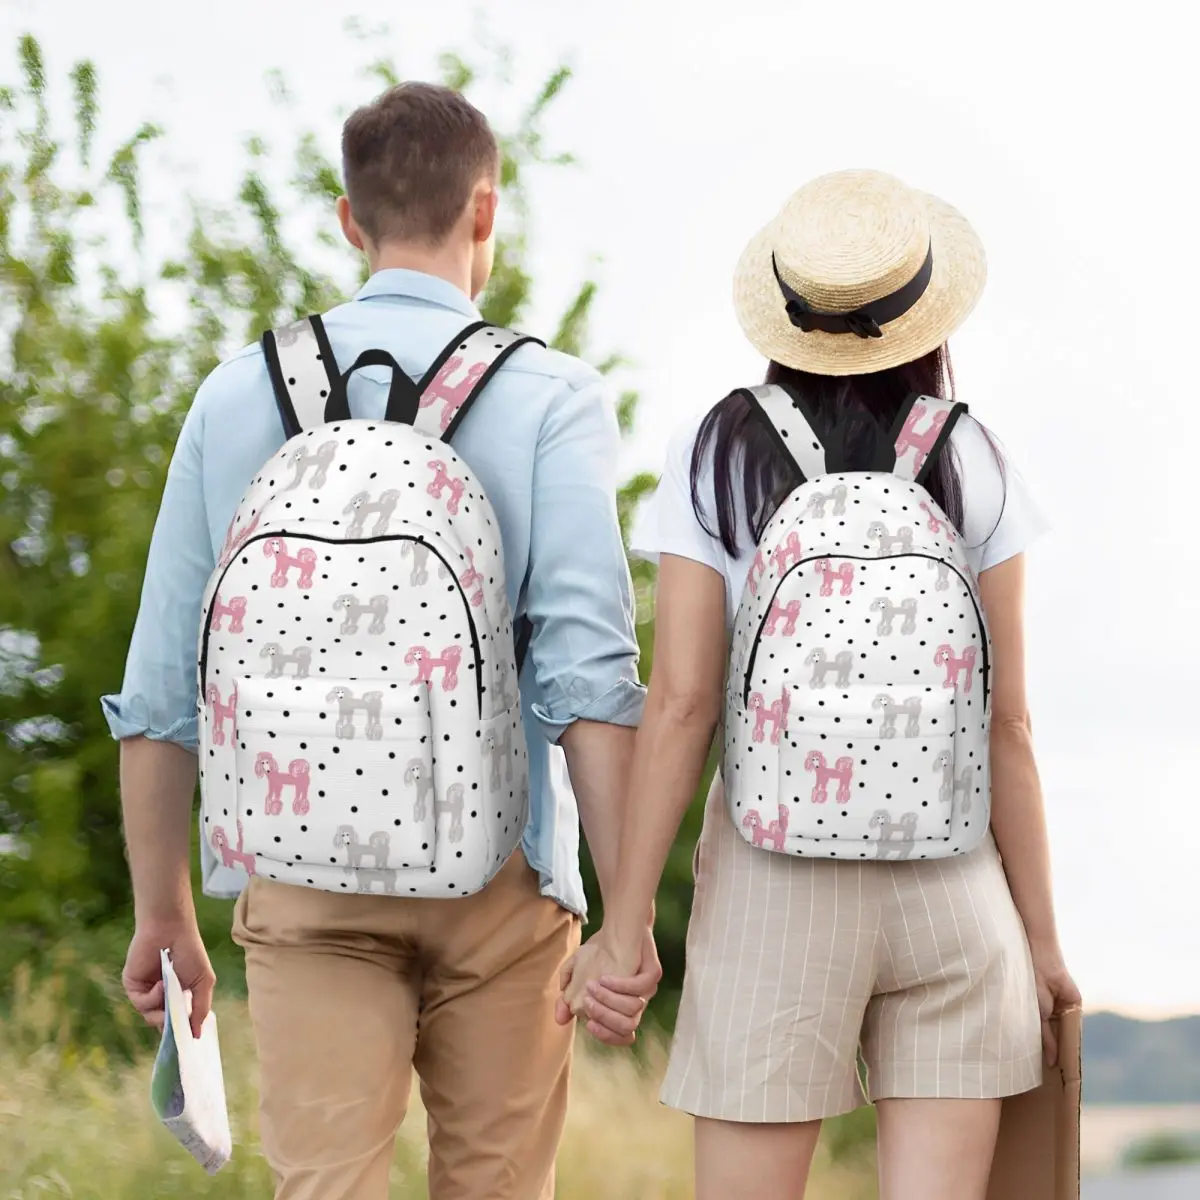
x=858, y=709
x=360, y=727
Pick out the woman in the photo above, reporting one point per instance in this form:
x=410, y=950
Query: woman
x=941, y=971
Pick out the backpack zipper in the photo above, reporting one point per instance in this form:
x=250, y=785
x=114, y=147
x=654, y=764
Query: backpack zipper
x=312, y=537
x=867, y=558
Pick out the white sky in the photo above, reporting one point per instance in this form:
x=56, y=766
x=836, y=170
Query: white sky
x=1064, y=135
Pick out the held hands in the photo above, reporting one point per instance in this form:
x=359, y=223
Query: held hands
x=1056, y=992
x=142, y=977
x=609, y=990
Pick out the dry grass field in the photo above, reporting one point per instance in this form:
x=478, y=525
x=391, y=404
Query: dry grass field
x=74, y=1125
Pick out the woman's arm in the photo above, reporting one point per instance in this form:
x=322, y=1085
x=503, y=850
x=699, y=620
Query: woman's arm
x=683, y=708
x=1018, y=813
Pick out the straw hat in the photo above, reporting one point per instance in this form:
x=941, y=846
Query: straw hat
x=858, y=273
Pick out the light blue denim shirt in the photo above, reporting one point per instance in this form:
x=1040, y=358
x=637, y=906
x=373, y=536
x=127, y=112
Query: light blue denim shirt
x=543, y=441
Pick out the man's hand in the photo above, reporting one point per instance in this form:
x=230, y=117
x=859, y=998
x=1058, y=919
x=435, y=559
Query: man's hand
x=157, y=782
x=142, y=977
x=601, y=987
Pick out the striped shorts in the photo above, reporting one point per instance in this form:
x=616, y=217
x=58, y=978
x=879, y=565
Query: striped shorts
x=796, y=966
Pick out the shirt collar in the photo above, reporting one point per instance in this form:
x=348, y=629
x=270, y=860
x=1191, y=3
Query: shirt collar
x=416, y=285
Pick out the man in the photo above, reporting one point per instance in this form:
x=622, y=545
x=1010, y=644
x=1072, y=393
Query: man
x=349, y=992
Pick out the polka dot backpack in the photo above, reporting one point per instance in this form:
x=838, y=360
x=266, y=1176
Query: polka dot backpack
x=360, y=727
x=857, y=709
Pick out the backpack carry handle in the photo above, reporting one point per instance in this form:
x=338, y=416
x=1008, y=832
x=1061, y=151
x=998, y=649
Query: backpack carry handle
x=403, y=402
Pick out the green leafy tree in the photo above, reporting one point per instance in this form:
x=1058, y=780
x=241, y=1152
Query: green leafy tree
x=94, y=381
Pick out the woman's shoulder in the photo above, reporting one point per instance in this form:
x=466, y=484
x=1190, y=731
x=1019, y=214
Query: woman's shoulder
x=667, y=521
x=1000, y=516
x=682, y=469
x=681, y=443
x=980, y=458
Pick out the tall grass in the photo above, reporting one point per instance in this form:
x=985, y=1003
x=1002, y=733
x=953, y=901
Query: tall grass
x=74, y=1123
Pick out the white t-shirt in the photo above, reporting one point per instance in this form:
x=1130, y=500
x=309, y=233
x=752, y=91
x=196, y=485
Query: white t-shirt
x=999, y=516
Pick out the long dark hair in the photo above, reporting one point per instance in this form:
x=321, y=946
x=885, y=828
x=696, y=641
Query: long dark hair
x=862, y=408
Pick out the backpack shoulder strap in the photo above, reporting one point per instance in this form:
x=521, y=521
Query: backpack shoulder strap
x=922, y=429
x=304, y=374
x=310, y=390
x=792, y=426
x=460, y=373
x=448, y=391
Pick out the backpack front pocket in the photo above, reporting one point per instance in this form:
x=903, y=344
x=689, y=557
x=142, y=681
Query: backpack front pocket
x=336, y=773
x=868, y=765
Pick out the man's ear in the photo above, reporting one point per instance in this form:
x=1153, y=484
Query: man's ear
x=487, y=199
x=350, y=229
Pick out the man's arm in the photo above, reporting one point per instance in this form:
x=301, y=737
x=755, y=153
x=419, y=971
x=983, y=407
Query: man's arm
x=155, y=718
x=158, y=781
x=579, y=599
x=584, y=649
x=598, y=758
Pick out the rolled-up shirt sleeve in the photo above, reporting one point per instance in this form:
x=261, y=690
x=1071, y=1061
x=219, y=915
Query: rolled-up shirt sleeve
x=579, y=597
x=158, y=697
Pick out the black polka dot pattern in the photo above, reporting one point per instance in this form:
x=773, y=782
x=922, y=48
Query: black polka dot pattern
x=360, y=723
x=857, y=710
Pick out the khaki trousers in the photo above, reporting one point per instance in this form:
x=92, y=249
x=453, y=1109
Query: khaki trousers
x=350, y=993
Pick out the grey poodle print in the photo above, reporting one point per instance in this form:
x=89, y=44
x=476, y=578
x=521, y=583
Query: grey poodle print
x=507, y=699
x=452, y=806
x=367, y=877
x=888, y=611
x=355, y=610
x=419, y=776
x=896, y=838
x=349, y=706
x=836, y=496
x=289, y=335
x=954, y=787
x=375, y=847
x=901, y=541
x=362, y=506
x=300, y=658
x=319, y=459
x=841, y=665
x=419, y=553
x=498, y=747
x=911, y=708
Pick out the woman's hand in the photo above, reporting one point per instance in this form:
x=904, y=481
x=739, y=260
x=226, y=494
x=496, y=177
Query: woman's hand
x=1056, y=992
x=609, y=989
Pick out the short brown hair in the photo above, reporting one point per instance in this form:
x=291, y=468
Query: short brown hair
x=410, y=159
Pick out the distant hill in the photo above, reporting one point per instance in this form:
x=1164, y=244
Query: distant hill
x=1140, y=1062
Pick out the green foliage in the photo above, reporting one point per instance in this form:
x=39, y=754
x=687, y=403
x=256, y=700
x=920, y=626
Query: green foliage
x=850, y=1139
x=93, y=386
x=1162, y=1149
